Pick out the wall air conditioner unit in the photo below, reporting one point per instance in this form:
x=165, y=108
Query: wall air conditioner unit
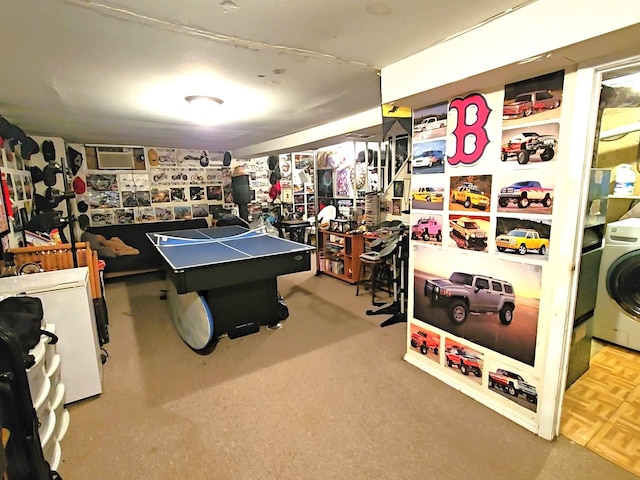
x=115, y=158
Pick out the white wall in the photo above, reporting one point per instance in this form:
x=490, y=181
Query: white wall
x=541, y=27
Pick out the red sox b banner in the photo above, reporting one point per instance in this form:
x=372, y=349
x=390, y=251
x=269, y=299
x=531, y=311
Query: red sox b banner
x=470, y=137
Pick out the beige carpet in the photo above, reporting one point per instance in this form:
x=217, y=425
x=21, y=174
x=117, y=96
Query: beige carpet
x=326, y=397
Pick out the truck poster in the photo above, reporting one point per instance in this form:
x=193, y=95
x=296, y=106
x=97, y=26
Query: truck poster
x=478, y=261
x=491, y=302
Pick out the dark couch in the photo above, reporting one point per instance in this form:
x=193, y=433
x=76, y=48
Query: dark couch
x=134, y=235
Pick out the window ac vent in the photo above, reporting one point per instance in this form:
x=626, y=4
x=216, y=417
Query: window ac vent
x=115, y=158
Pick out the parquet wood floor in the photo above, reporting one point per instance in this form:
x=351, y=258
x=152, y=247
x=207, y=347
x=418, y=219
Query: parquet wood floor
x=601, y=410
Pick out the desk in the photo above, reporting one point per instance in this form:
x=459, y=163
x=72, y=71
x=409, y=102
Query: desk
x=234, y=270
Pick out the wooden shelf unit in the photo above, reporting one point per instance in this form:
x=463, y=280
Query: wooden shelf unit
x=340, y=255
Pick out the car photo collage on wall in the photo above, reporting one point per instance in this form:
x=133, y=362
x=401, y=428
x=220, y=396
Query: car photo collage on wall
x=481, y=229
x=17, y=195
x=172, y=184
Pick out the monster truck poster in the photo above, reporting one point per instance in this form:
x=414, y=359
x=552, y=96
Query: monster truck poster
x=488, y=301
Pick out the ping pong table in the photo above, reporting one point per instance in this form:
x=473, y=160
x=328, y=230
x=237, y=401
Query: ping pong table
x=234, y=272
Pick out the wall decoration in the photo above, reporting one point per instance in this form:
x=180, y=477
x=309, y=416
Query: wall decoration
x=160, y=195
x=469, y=232
x=197, y=176
x=425, y=341
x=134, y=181
x=106, y=199
x=17, y=219
x=129, y=199
x=19, y=188
x=489, y=301
x=523, y=236
x=214, y=192
x=179, y=176
x=9, y=155
x=427, y=192
x=163, y=213
x=467, y=121
x=534, y=99
x=429, y=122
x=24, y=215
x=123, y=216
x=182, y=212
x=178, y=194
x=396, y=206
x=160, y=177
x=28, y=187
x=526, y=191
x=464, y=360
x=10, y=188
x=511, y=385
x=398, y=189
x=18, y=159
x=190, y=158
x=196, y=193
x=426, y=228
x=161, y=157
x=144, y=214
x=470, y=193
x=102, y=217
x=102, y=182
x=199, y=210
x=428, y=157
x=325, y=183
x=143, y=198
x=533, y=143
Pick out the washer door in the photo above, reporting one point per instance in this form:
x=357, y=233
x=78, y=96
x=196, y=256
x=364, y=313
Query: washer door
x=623, y=283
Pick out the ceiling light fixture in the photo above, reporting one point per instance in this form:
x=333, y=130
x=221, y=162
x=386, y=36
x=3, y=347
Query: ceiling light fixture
x=202, y=108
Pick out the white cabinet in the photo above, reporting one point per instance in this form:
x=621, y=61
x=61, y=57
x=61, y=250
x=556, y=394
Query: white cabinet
x=67, y=303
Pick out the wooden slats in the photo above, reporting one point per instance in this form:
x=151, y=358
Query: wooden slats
x=60, y=257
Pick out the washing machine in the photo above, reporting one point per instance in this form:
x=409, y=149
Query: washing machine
x=617, y=312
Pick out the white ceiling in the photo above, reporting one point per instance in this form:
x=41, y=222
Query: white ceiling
x=117, y=71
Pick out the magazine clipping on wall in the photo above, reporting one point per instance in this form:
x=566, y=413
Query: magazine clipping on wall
x=167, y=184
x=482, y=190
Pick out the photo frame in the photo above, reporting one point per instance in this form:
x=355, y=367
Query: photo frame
x=24, y=216
x=398, y=189
x=325, y=182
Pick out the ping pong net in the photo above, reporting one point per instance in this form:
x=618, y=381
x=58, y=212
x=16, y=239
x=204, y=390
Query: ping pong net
x=165, y=240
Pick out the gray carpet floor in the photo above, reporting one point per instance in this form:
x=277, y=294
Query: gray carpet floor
x=326, y=397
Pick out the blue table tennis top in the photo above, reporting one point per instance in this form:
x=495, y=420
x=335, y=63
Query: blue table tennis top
x=184, y=249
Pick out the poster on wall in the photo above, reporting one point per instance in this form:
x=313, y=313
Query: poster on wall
x=463, y=360
x=425, y=341
x=469, y=232
x=190, y=158
x=526, y=191
x=505, y=381
x=489, y=301
x=533, y=100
